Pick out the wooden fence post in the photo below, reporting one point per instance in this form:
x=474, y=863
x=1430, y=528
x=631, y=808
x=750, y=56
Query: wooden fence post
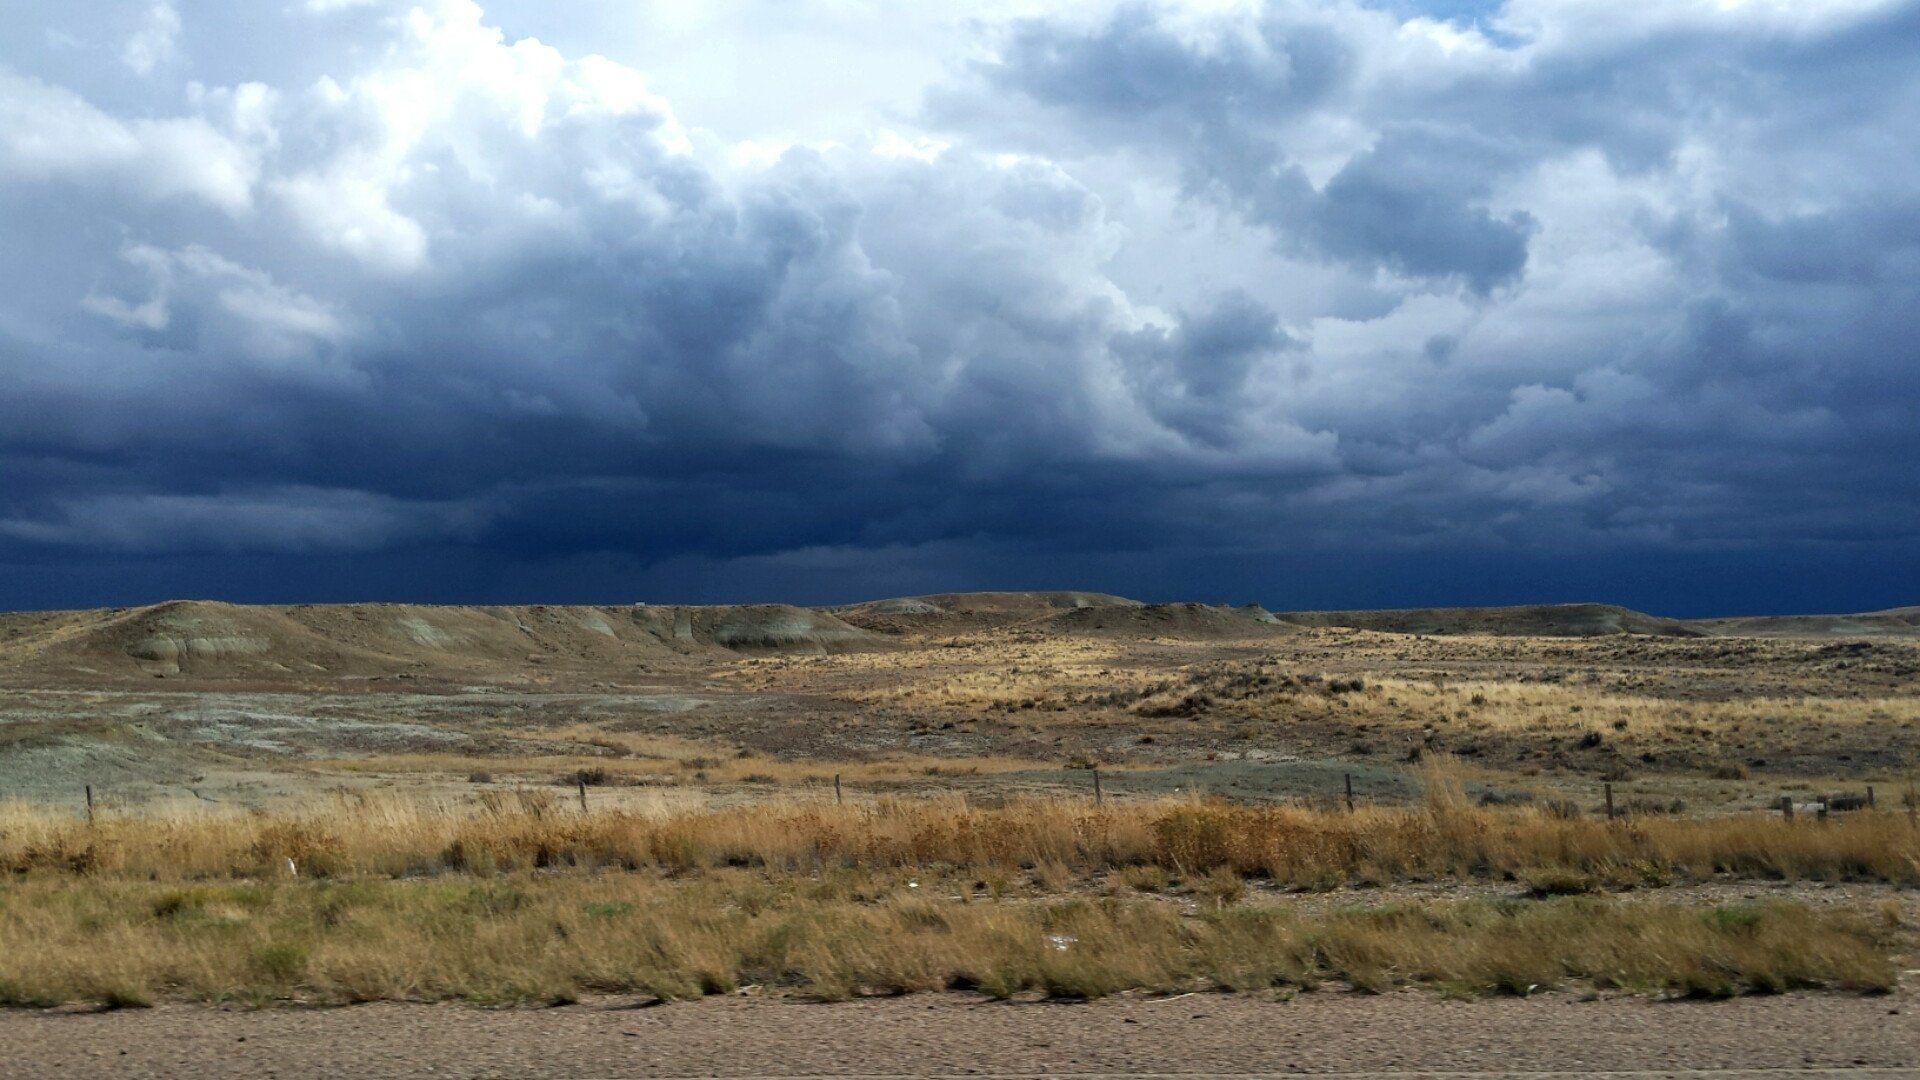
x=1870, y=805
x=581, y=780
x=838, y=799
x=1349, y=779
x=1609, y=788
x=89, y=804
x=1098, y=798
x=1786, y=807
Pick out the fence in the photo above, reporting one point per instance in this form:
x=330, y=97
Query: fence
x=1817, y=807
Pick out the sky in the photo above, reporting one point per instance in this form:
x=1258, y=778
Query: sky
x=1311, y=303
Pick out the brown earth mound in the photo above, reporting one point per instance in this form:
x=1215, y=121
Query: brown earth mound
x=978, y=603
x=1531, y=620
x=955, y=612
x=192, y=638
x=1186, y=621
x=759, y=628
x=205, y=640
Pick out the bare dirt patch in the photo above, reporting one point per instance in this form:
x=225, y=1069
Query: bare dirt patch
x=1206, y=1035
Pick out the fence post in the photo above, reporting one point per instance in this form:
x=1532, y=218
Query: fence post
x=1349, y=779
x=1786, y=807
x=837, y=798
x=581, y=780
x=89, y=804
x=1870, y=805
x=1098, y=798
x=1609, y=788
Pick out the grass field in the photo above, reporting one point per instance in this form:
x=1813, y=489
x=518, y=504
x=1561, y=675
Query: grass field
x=1447, y=836
x=524, y=897
x=522, y=938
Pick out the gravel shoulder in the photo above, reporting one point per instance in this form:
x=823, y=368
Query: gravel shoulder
x=1400, y=1034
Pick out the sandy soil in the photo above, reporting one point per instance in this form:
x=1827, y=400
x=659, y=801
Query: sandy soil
x=950, y=1035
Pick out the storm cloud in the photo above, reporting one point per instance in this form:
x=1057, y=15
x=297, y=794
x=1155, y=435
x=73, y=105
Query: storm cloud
x=1304, y=303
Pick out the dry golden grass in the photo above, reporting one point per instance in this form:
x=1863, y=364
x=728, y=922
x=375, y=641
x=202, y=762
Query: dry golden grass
x=1444, y=838
x=1065, y=679
x=536, y=938
x=1639, y=720
x=523, y=896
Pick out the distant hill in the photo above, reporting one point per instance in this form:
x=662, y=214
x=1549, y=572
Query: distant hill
x=971, y=610
x=1016, y=603
x=1535, y=620
x=1184, y=621
x=233, y=643
x=1062, y=612
x=210, y=640
x=1896, y=622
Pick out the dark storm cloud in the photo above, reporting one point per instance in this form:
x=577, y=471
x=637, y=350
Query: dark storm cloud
x=1192, y=375
x=1133, y=68
x=1413, y=202
x=1574, y=281
x=1747, y=390
x=562, y=334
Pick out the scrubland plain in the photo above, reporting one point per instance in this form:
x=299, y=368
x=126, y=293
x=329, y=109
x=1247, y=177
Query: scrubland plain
x=1062, y=795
